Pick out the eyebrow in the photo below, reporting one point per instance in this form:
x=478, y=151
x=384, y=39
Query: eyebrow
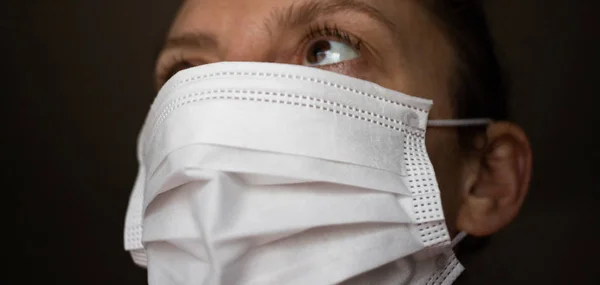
x=293, y=16
x=192, y=39
x=307, y=12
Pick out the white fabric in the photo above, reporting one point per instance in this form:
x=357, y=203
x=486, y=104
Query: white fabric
x=263, y=173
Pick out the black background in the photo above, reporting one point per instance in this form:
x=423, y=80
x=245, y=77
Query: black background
x=78, y=82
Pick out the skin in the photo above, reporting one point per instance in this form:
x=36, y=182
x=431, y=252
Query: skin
x=402, y=49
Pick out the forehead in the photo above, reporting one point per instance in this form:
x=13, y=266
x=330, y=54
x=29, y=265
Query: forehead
x=224, y=14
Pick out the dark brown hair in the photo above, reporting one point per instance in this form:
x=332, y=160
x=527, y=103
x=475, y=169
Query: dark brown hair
x=479, y=84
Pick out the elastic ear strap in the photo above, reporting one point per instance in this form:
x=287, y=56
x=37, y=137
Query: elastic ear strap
x=459, y=122
x=458, y=238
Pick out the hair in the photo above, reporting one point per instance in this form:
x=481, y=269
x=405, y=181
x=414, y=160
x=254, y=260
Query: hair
x=479, y=83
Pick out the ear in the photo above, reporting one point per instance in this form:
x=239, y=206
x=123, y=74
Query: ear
x=497, y=181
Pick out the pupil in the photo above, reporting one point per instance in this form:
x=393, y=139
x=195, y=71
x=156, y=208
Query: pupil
x=318, y=52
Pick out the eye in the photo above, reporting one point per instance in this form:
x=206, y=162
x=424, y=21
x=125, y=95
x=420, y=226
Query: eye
x=165, y=73
x=324, y=52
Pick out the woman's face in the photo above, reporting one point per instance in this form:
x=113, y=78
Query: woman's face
x=394, y=43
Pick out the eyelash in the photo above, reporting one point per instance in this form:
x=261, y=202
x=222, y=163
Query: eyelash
x=326, y=30
x=177, y=61
x=172, y=64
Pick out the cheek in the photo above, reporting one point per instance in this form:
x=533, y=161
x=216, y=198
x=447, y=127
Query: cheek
x=444, y=152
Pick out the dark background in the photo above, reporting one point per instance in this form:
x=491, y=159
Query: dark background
x=78, y=84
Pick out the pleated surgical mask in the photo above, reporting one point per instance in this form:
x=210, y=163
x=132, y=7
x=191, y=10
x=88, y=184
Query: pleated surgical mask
x=264, y=173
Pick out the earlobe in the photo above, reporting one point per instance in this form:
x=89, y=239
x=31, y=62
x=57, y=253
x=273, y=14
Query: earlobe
x=500, y=181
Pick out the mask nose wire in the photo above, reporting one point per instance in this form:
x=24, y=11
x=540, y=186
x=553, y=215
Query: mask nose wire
x=460, y=122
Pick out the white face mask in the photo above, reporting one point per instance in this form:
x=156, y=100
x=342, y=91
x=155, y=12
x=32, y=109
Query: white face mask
x=263, y=173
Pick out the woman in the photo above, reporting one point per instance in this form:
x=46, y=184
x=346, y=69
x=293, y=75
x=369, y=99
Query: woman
x=367, y=211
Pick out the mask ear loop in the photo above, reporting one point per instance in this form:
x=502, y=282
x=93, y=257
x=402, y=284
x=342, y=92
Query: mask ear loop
x=459, y=122
x=457, y=239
